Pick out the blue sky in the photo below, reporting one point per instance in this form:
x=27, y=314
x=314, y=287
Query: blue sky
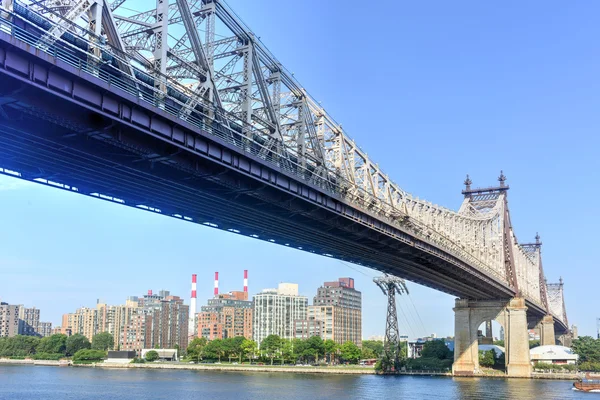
x=431, y=90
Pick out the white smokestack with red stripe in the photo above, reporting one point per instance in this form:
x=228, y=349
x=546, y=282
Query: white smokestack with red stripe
x=216, y=284
x=245, y=281
x=192, y=319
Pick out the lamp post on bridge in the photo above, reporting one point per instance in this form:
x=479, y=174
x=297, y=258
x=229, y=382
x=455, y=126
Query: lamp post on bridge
x=390, y=285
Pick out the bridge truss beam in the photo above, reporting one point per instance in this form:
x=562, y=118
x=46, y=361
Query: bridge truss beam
x=231, y=84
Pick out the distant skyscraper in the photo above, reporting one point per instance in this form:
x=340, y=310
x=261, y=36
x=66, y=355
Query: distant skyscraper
x=276, y=310
x=142, y=322
x=29, y=319
x=44, y=329
x=225, y=317
x=167, y=323
x=338, y=305
x=9, y=320
x=83, y=321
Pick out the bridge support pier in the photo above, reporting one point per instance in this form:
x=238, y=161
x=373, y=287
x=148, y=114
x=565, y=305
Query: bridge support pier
x=566, y=339
x=470, y=314
x=546, y=327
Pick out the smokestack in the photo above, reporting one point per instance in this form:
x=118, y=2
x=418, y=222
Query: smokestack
x=216, y=284
x=192, y=319
x=245, y=281
x=150, y=292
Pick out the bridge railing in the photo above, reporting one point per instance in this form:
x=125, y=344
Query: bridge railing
x=220, y=125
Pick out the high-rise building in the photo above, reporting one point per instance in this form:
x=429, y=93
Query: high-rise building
x=9, y=320
x=276, y=310
x=338, y=305
x=167, y=323
x=131, y=333
x=226, y=315
x=59, y=330
x=83, y=321
x=142, y=322
x=29, y=319
x=307, y=328
x=44, y=329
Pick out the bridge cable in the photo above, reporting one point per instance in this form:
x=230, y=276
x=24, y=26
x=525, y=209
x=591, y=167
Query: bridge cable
x=408, y=324
x=414, y=321
x=418, y=315
x=398, y=303
x=355, y=269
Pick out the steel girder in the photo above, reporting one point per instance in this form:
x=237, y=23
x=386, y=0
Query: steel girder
x=232, y=80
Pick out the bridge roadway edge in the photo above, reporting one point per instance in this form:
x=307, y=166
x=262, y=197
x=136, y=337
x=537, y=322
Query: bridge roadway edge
x=409, y=269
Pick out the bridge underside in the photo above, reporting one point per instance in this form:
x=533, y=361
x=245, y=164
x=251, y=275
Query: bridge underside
x=61, y=138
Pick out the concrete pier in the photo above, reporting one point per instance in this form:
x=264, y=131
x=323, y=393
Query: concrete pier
x=546, y=327
x=511, y=314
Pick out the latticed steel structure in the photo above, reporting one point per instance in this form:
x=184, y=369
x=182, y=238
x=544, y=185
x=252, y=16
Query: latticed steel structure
x=198, y=116
x=390, y=285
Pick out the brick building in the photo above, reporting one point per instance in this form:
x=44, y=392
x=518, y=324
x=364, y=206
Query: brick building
x=338, y=306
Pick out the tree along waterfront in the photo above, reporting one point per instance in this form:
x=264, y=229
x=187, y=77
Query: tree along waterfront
x=273, y=349
x=52, y=347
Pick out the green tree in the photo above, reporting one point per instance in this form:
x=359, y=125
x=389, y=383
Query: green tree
x=436, y=349
x=315, y=347
x=237, y=347
x=588, y=349
x=534, y=343
x=350, y=352
x=367, y=353
x=271, y=345
x=298, y=347
x=214, y=349
x=152, y=355
x=77, y=342
x=376, y=346
x=103, y=341
x=195, y=349
x=55, y=344
x=88, y=355
x=487, y=358
x=287, y=351
x=330, y=347
x=228, y=348
x=18, y=346
x=249, y=348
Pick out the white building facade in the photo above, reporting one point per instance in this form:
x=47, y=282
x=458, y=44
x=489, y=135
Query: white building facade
x=275, y=311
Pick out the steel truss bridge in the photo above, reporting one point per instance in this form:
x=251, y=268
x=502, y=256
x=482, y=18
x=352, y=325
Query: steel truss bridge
x=181, y=110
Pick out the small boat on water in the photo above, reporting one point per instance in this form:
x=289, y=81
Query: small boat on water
x=588, y=384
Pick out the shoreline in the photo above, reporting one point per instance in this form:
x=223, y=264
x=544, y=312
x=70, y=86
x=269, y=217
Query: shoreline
x=202, y=367
x=275, y=368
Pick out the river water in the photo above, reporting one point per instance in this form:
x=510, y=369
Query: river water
x=55, y=383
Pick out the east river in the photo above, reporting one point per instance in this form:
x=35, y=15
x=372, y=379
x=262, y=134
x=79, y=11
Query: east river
x=60, y=383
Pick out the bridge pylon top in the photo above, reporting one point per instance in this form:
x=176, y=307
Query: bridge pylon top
x=502, y=187
x=535, y=245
